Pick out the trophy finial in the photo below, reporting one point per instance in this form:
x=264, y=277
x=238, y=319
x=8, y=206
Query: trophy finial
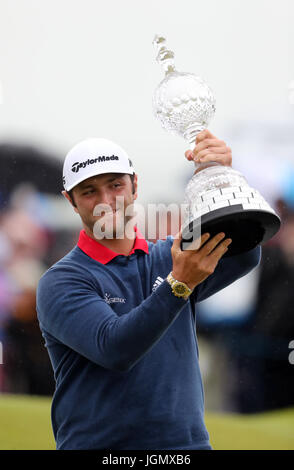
x=164, y=57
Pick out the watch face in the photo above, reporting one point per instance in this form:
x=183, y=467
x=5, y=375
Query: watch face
x=180, y=289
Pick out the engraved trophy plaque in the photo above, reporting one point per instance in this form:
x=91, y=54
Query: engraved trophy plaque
x=218, y=198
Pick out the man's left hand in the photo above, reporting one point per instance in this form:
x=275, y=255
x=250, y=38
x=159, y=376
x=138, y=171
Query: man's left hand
x=209, y=148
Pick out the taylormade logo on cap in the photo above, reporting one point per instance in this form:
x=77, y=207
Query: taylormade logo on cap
x=93, y=157
x=76, y=166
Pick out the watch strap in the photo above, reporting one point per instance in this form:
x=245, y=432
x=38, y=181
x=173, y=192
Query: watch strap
x=179, y=288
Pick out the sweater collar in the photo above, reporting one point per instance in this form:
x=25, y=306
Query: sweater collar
x=101, y=253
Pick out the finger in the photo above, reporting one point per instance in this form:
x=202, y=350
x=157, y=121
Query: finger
x=205, y=134
x=189, y=155
x=212, y=243
x=196, y=244
x=177, y=241
x=220, y=250
x=223, y=159
x=206, y=143
x=206, y=151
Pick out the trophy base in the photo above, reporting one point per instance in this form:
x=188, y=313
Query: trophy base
x=246, y=227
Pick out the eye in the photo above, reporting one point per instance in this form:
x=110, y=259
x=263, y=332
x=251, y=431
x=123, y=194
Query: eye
x=90, y=191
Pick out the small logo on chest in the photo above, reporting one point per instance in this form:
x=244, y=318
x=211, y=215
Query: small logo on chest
x=111, y=300
x=157, y=283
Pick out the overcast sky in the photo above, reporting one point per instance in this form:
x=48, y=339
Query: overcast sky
x=72, y=69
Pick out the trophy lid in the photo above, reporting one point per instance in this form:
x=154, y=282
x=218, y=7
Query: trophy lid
x=164, y=57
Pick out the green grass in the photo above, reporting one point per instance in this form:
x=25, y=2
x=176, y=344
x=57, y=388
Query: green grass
x=25, y=424
x=264, y=431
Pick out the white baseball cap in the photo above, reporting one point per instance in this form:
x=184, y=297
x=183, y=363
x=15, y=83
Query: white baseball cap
x=93, y=157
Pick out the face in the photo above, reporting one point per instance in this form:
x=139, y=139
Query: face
x=102, y=202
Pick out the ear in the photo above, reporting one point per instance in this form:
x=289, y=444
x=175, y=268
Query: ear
x=135, y=195
x=64, y=193
x=67, y=196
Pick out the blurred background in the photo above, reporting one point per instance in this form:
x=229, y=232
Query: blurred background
x=76, y=69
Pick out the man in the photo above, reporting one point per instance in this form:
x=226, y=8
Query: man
x=125, y=353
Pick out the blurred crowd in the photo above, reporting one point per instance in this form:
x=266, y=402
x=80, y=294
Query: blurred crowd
x=29, y=244
x=247, y=330
x=244, y=331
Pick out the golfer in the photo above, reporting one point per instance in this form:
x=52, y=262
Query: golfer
x=119, y=314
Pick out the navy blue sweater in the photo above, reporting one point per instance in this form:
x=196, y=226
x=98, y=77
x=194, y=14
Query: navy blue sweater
x=124, y=350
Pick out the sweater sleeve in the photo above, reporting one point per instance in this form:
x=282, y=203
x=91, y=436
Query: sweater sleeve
x=70, y=309
x=228, y=271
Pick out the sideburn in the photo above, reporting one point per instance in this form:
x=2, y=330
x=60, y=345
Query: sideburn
x=70, y=193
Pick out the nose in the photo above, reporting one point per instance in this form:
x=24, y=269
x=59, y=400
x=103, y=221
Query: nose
x=105, y=197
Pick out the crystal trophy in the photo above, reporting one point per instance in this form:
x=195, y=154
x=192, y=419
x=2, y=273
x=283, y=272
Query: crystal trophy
x=217, y=198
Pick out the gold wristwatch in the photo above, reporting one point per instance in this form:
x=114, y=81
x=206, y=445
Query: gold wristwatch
x=179, y=289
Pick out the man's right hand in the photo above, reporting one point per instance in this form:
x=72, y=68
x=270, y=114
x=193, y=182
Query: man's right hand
x=193, y=266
